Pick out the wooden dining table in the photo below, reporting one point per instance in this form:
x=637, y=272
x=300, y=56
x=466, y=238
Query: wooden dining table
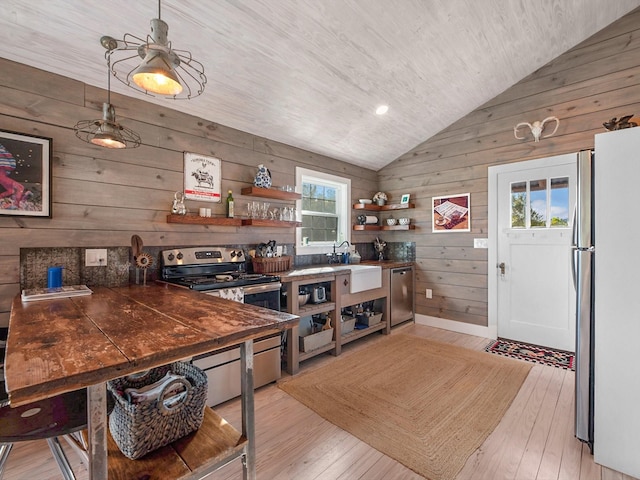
x=64, y=344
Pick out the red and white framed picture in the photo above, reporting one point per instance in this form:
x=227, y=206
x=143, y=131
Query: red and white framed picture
x=452, y=213
x=202, y=178
x=25, y=175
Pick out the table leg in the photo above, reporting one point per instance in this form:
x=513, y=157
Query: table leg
x=97, y=427
x=248, y=419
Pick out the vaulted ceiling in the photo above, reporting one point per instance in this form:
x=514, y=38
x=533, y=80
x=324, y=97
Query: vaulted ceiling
x=310, y=73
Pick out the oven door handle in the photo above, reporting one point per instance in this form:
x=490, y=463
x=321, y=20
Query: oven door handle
x=262, y=288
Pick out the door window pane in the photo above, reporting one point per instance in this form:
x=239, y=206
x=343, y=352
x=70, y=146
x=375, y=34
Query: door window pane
x=538, y=199
x=560, y=202
x=518, y=205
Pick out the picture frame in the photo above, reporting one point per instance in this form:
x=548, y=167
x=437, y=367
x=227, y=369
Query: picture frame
x=202, y=178
x=451, y=213
x=25, y=174
x=405, y=198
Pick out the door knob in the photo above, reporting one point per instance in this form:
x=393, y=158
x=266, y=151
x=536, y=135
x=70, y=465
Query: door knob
x=501, y=266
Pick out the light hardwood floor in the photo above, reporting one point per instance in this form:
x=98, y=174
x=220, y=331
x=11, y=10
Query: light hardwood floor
x=533, y=441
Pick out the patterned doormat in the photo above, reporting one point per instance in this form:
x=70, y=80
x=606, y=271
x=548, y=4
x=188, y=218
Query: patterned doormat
x=532, y=353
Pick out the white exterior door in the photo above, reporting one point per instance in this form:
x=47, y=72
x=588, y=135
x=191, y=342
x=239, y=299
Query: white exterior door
x=535, y=297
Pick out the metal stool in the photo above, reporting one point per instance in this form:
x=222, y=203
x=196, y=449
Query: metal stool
x=47, y=419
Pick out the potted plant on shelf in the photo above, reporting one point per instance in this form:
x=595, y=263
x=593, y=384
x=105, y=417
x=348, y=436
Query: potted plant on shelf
x=380, y=198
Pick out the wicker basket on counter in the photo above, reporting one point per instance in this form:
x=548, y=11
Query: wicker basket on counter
x=271, y=264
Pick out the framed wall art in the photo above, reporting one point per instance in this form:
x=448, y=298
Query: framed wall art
x=405, y=198
x=25, y=175
x=202, y=178
x=452, y=213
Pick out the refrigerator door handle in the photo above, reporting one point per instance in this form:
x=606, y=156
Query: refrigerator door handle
x=575, y=226
x=574, y=273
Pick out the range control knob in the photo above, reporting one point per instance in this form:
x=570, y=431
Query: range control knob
x=239, y=253
x=233, y=254
x=170, y=257
x=179, y=256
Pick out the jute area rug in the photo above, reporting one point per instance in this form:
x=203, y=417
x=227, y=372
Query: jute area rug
x=426, y=404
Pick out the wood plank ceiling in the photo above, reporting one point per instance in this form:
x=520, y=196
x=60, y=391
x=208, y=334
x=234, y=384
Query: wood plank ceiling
x=310, y=73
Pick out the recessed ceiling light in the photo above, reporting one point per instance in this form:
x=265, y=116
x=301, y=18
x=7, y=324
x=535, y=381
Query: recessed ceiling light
x=382, y=109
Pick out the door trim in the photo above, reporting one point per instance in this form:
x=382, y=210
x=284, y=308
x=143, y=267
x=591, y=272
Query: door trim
x=492, y=256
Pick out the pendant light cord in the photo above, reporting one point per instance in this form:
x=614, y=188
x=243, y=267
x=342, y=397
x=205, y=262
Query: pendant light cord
x=109, y=78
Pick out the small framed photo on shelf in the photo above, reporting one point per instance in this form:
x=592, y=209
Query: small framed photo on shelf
x=25, y=175
x=451, y=213
x=405, y=198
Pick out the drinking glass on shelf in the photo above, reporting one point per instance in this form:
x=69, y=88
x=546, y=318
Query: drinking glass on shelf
x=265, y=210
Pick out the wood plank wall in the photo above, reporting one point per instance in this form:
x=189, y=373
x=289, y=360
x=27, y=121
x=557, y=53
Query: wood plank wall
x=592, y=83
x=101, y=197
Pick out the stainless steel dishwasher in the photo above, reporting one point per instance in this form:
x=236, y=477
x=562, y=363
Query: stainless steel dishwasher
x=402, y=295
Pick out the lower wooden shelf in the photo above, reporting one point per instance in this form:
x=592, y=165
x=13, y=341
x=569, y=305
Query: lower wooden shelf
x=356, y=334
x=325, y=348
x=214, y=444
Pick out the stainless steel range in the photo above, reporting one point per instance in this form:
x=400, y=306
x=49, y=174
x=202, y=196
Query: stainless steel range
x=221, y=271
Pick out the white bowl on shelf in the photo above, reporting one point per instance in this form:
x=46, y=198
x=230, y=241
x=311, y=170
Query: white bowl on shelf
x=404, y=221
x=391, y=221
x=364, y=201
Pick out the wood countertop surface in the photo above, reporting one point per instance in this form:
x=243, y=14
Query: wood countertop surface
x=55, y=346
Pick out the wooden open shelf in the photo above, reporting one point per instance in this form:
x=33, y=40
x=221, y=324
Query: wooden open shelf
x=384, y=227
x=194, y=456
x=356, y=334
x=259, y=222
x=270, y=193
x=230, y=222
x=315, y=308
x=325, y=348
x=198, y=220
x=383, y=208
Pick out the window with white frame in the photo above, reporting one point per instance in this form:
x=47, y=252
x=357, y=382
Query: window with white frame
x=325, y=211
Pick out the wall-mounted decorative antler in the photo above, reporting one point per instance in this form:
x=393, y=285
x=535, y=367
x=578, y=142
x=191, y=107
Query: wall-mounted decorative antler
x=536, y=128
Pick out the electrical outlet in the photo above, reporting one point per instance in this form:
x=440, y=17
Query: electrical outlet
x=480, y=243
x=95, y=257
x=429, y=293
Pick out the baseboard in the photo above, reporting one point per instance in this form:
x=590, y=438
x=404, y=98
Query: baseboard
x=460, y=327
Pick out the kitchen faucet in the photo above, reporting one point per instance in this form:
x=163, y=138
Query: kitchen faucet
x=334, y=257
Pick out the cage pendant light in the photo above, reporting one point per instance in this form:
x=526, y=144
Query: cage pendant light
x=106, y=131
x=163, y=71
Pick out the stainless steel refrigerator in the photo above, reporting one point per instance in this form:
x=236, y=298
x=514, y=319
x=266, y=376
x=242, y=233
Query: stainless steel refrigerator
x=607, y=279
x=583, y=269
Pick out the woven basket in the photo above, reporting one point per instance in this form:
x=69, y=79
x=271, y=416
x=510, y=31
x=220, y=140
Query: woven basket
x=271, y=264
x=141, y=428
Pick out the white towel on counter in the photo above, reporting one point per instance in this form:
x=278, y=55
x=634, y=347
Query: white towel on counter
x=150, y=393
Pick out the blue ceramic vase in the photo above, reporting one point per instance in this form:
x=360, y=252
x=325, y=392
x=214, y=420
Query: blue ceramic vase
x=263, y=177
